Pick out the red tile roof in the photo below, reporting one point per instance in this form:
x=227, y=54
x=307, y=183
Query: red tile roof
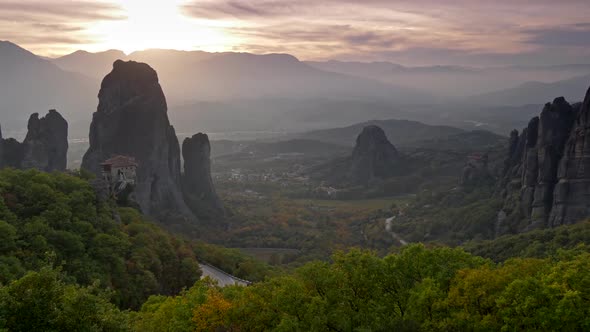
x=120, y=161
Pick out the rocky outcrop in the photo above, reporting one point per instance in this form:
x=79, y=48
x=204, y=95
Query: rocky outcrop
x=555, y=123
x=46, y=143
x=515, y=151
x=544, y=183
x=13, y=153
x=373, y=156
x=131, y=119
x=476, y=171
x=373, y=159
x=571, y=197
x=45, y=147
x=1, y=149
x=197, y=184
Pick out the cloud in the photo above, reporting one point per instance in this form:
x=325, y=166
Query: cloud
x=227, y=9
x=56, y=27
x=216, y=9
x=26, y=39
x=69, y=10
x=53, y=25
x=573, y=35
x=406, y=30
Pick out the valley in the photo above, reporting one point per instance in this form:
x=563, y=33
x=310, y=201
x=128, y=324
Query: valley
x=223, y=166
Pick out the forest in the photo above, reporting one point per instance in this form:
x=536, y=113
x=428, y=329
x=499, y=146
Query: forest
x=71, y=262
x=283, y=165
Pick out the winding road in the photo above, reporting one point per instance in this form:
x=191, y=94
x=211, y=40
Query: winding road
x=222, y=278
x=226, y=279
x=395, y=236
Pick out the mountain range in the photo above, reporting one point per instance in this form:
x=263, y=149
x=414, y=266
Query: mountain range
x=533, y=92
x=196, y=75
x=31, y=84
x=228, y=91
x=466, y=81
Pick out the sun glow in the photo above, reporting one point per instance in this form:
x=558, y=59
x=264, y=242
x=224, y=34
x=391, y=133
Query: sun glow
x=159, y=24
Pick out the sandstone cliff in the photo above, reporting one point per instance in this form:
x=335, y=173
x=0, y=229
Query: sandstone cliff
x=476, y=171
x=197, y=184
x=45, y=146
x=373, y=156
x=544, y=183
x=131, y=119
x=571, y=197
x=46, y=143
x=373, y=159
x=1, y=149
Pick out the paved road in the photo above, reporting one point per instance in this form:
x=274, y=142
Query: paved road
x=395, y=236
x=223, y=279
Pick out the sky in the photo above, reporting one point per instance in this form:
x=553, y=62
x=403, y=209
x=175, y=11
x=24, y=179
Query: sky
x=411, y=32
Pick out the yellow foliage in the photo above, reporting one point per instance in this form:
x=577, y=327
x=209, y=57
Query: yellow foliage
x=212, y=314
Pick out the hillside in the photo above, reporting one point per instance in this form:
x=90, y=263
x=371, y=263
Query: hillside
x=31, y=84
x=400, y=132
x=94, y=65
x=56, y=219
x=309, y=148
x=284, y=115
x=475, y=140
x=533, y=92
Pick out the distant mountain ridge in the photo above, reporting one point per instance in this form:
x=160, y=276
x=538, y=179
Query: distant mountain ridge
x=467, y=81
x=227, y=92
x=263, y=149
x=94, y=65
x=535, y=92
x=402, y=133
x=232, y=75
x=29, y=83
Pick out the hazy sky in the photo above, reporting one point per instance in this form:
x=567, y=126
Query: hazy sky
x=414, y=32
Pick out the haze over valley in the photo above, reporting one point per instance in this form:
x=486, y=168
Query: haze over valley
x=280, y=165
x=243, y=92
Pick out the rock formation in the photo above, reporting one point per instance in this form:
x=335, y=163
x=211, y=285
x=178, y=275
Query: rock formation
x=373, y=159
x=46, y=143
x=45, y=146
x=197, y=184
x=12, y=153
x=373, y=156
x=476, y=172
x=555, y=123
x=132, y=120
x=1, y=149
x=571, y=197
x=544, y=183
